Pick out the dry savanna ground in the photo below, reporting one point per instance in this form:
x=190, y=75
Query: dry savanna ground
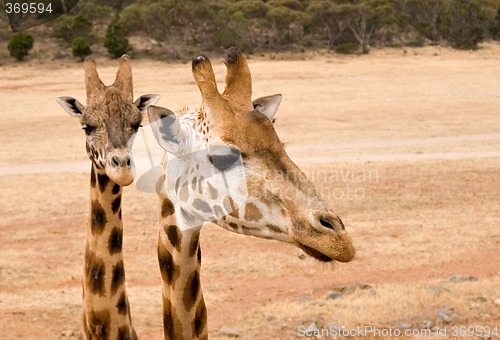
x=405, y=144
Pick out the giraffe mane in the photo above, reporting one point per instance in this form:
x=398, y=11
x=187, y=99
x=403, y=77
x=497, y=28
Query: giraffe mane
x=184, y=110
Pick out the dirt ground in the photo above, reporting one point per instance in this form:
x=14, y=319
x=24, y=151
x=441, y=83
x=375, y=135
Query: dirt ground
x=405, y=144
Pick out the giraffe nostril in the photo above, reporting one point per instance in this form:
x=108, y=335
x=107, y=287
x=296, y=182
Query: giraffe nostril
x=118, y=161
x=326, y=224
x=333, y=224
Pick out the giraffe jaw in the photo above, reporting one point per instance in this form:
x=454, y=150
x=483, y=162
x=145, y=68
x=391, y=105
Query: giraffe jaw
x=314, y=253
x=327, y=247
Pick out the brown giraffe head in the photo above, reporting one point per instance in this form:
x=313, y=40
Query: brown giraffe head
x=110, y=119
x=252, y=186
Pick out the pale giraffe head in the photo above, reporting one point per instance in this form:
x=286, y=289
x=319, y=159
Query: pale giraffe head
x=110, y=119
x=226, y=165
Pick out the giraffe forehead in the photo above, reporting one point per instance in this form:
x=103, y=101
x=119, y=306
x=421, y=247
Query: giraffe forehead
x=252, y=132
x=112, y=109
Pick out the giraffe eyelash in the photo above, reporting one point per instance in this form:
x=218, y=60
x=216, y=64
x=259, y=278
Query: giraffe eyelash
x=136, y=127
x=88, y=129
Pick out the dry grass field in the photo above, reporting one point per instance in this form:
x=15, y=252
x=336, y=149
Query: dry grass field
x=405, y=144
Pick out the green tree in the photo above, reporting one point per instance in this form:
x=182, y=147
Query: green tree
x=80, y=48
x=254, y=9
x=115, y=40
x=81, y=27
x=468, y=22
x=234, y=30
x=327, y=17
x=20, y=44
x=61, y=27
x=366, y=17
x=424, y=15
x=155, y=20
x=287, y=25
x=495, y=28
x=196, y=20
x=258, y=30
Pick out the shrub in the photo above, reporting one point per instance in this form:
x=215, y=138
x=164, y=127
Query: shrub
x=115, y=41
x=347, y=48
x=80, y=48
x=20, y=44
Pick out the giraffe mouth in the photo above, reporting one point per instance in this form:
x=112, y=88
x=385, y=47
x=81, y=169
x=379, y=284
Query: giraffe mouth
x=315, y=253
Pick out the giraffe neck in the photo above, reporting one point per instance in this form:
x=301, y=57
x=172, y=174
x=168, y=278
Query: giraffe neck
x=105, y=308
x=179, y=257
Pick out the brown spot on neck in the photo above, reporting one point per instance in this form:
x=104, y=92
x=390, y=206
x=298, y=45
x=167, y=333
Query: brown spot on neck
x=98, y=218
x=116, y=189
x=115, y=241
x=172, y=327
x=252, y=213
x=103, y=181
x=174, y=236
x=200, y=320
x=191, y=290
x=169, y=270
x=99, y=324
x=167, y=208
x=122, y=306
x=116, y=204
x=95, y=272
x=118, y=277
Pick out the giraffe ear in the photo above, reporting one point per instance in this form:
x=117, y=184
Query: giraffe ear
x=144, y=101
x=166, y=128
x=71, y=105
x=268, y=105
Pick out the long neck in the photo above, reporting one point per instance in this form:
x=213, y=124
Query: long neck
x=179, y=257
x=105, y=309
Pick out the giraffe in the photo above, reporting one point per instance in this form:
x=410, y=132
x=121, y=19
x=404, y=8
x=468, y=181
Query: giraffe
x=226, y=165
x=110, y=120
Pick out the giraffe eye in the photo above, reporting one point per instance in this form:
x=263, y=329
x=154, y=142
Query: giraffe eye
x=88, y=129
x=223, y=157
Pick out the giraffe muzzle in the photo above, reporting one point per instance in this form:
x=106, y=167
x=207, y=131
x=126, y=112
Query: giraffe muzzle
x=322, y=236
x=120, y=167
